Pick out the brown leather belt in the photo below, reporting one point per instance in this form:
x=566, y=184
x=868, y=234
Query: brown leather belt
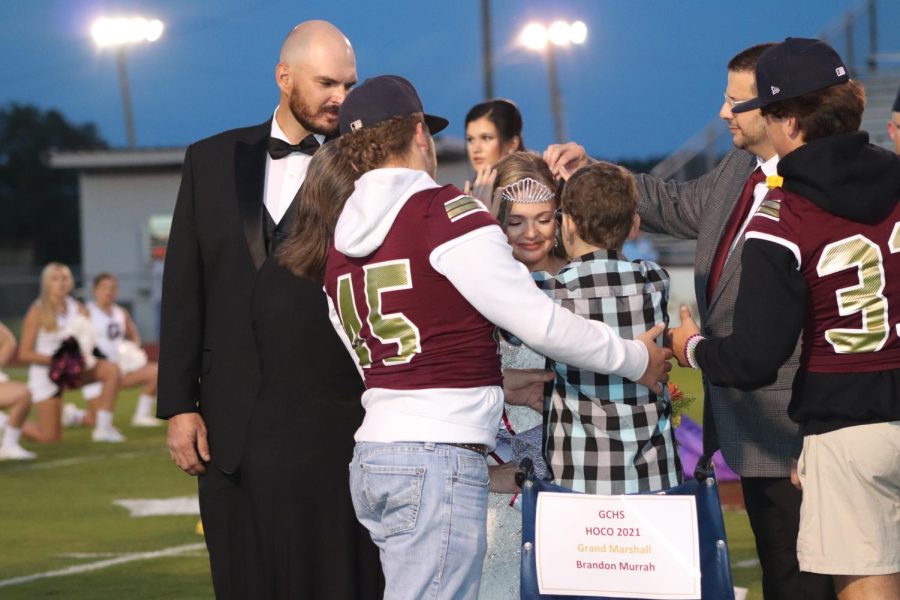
x=479, y=448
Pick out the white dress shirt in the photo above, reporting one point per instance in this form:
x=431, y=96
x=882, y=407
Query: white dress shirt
x=284, y=176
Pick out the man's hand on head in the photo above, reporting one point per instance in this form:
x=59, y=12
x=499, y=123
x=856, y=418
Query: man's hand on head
x=565, y=159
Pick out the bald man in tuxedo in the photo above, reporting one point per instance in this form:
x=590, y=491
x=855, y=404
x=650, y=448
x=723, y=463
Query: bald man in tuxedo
x=274, y=498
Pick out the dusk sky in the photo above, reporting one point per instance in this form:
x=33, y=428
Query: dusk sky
x=649, y=76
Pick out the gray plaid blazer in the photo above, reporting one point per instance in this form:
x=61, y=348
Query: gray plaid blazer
x=752, y=428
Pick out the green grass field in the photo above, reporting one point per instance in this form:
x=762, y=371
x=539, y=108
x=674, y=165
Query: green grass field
x=57, y=514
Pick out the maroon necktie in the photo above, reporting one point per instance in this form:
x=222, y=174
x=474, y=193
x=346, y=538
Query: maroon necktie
x=738, y=216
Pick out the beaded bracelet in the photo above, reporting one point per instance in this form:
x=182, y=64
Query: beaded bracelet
x=690, y=350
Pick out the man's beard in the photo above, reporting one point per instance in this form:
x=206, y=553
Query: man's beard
x=751, y=138
x=305, y=115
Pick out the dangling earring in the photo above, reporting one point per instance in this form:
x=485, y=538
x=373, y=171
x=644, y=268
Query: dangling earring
x=556, y=241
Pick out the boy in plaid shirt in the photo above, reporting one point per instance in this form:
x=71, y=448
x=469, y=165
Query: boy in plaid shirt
x=605, y=434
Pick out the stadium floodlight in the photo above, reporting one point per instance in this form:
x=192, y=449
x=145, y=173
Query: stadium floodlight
x=534, y=36
x=123, y=30
x=578, y=32
x=119, y=33
x=539, y=38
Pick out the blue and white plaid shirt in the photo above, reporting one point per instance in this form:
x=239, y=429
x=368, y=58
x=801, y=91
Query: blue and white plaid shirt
x=604, y=434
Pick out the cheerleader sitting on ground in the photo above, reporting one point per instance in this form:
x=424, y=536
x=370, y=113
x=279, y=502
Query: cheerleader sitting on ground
x=57, y=341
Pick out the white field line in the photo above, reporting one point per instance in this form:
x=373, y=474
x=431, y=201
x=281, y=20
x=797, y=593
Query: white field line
x=155, y=507
x=746, y=564
x=68, y=462
x=87, y=555
x=103, y=564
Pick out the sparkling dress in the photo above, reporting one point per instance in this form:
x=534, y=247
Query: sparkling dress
x=500, y=578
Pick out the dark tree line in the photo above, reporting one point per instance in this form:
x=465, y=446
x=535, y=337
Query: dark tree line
x=39, y=219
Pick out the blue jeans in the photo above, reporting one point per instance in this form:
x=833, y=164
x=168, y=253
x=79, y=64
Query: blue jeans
x=425, y=506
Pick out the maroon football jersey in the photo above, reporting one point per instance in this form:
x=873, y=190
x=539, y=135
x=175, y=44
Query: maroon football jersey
x=410, y=328
x=852, y=273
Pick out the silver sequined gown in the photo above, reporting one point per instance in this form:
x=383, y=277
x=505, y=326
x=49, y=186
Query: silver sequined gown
x=500, y=578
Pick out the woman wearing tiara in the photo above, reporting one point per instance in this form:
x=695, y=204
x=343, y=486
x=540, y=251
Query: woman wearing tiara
x=525, y=203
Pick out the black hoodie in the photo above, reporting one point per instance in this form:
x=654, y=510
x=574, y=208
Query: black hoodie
x=845, y=176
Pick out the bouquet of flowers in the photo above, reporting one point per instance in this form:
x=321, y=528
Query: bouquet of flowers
x=680, y=402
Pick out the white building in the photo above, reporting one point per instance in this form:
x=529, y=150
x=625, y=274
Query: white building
x=127, y=197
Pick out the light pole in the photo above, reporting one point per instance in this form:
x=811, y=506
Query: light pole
x=536, y=36
x=488, y=55
x=119, y=34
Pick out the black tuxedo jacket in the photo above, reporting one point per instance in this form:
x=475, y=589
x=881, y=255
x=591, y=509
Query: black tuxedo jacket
x=208, y=359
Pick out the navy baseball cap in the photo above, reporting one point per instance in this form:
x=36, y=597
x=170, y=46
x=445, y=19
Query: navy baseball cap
x=795, y=67
x=381, y=98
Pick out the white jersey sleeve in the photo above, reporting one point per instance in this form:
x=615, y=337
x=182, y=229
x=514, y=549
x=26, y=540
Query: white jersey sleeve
x=481, y=266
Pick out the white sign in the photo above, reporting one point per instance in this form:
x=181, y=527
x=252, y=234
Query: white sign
x=640, y=546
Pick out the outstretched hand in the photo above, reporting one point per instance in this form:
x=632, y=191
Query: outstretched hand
x=678, y=336
x=525, y=387
x=565, y=159
x=658, y=366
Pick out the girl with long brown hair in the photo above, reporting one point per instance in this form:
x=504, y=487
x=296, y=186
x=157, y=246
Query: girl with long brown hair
x=328, y=184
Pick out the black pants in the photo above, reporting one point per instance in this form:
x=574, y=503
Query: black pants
x=231, y=537
x=773, y=506
x=273, y=534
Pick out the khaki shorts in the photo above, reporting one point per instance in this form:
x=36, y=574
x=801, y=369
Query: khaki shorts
x=850, y=516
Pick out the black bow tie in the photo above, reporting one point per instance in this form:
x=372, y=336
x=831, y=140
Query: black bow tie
x=279, y=148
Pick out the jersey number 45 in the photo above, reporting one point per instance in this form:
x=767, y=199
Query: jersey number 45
x=394, y=338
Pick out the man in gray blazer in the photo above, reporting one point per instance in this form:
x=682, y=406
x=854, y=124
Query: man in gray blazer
x=751, y=427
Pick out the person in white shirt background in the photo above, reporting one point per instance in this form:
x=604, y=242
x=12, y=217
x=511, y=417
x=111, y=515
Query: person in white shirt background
x=15, y=397
x=118, y=339
x=51, y=320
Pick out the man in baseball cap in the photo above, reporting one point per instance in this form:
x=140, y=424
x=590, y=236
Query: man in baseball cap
x=795, y=67
x=381, y=98
x=419, y=275
x=823, y=256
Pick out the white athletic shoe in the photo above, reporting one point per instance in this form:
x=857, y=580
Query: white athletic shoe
x=16, y=452
x=72, y=416
x=110, y=435
x=4, y=419
x=145, y=421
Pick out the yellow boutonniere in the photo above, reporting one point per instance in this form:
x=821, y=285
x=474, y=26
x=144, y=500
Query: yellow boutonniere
x=774, y=181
